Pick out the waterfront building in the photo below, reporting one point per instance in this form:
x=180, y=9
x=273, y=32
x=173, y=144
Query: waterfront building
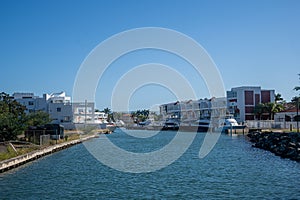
x=100, y=117
x=57, y=105
x=289, y=114
x=83, y=112
x=241, y=101
x=191, y=110
x=30, y=101
x=286, y=119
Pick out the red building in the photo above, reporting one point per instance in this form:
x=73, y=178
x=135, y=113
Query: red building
x=241, y=101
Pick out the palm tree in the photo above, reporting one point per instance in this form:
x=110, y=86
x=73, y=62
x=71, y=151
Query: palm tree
x=107, y=111
x=295, y=100
x=145, y=113
x=273, y=108
x=270, y=108
x=109, y=114
x=278, y=97
x=297, y=88
x=259, y=110
x=140, y=115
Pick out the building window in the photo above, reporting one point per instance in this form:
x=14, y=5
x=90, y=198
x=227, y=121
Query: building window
x=265, y=96
x=58, y=109
x=249, y=100
x=30, y=103
x=257, y=99
x=249, y=109
x=249, y=117
x=67, y=119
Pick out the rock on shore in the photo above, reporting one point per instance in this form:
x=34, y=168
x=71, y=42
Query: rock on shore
x=285, y=145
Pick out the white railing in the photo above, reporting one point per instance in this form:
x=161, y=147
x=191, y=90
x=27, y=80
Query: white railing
x=270, y=124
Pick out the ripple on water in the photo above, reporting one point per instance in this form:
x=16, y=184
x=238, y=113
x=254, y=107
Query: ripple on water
x=233, y=170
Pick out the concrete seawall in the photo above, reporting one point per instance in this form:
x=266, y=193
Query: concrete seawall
x=22, y=159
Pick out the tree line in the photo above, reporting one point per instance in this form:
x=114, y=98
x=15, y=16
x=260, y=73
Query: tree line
x=14, y=120
x=273, y=107
x=140, y=115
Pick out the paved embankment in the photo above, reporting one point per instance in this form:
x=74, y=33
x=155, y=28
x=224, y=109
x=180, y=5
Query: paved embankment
x=285, y=145
x=22, y=159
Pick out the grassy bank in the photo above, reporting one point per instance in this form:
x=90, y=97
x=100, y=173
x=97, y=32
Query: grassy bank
x=11, y=150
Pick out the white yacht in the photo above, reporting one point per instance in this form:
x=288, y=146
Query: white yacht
x=231, y=124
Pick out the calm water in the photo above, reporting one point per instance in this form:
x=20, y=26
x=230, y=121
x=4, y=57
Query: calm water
x=233, y=170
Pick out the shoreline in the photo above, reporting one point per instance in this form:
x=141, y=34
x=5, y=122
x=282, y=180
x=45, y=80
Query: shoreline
x=285, y=145
x=15, y=162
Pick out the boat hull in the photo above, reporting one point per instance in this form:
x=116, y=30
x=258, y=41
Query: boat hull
x=111, y=128
x=227, y=129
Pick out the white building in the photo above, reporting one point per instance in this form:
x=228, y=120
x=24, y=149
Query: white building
x=83, y=112
x=287, y=115
x=57, y=105
x=194, y=109
x=241, y=101
x=100, y=117
x=33, y=103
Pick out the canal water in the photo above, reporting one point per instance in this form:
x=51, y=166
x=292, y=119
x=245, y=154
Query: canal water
x=232, y=170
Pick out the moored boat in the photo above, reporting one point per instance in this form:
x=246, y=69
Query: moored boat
x=171, y=124
x=111, y=126
x=231, y=124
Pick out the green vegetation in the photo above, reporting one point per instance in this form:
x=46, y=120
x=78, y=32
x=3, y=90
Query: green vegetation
x=13, y=119
x=20, y=151
x=140, y=115
x=271, y=108
x=37, y=118
x=278, y=98
x=296, y=99
x=297, y=88
x=110, y=116
x=9, y=154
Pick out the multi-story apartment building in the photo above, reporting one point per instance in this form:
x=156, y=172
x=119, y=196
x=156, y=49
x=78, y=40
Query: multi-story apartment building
x=241, y=101
x=194, y=109
x=83, y=112
x=58, y=105
x=33, y=103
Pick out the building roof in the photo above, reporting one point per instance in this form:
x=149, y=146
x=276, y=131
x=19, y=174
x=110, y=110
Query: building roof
x=289, y=110
x=289, y=107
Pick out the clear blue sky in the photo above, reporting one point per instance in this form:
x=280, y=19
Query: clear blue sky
x=43, y=43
